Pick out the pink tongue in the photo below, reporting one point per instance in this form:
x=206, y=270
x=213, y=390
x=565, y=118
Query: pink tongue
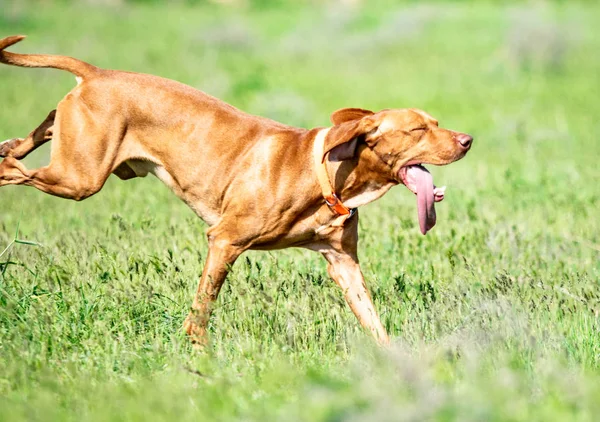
x=425, y=198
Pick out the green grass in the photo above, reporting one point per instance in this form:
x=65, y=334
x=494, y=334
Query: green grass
x=494, y=315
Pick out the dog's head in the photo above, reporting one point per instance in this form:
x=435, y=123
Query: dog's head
x=403, y=139
x=400, y=137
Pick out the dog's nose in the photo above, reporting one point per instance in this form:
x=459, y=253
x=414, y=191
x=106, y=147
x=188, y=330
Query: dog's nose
x=464, y=140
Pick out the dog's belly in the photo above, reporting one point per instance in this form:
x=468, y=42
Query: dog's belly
x=205, y=212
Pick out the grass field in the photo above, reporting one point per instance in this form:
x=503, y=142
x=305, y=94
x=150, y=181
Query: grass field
x=494, y=314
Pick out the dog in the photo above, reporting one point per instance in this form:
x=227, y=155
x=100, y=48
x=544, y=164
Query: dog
x=257, y=183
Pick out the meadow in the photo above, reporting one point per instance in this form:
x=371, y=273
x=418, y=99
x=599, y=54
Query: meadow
x=494, y=315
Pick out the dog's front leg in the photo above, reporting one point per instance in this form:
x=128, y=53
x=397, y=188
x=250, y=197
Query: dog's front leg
x=221, y=256
x=343, y=267
x=345, y=271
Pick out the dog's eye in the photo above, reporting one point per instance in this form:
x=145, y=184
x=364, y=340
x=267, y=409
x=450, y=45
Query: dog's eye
x=419, y=131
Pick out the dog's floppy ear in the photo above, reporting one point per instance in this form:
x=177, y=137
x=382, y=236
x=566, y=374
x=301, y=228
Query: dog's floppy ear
x=348, y=114
x=342, y=138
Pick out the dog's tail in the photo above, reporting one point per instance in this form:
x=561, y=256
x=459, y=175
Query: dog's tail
x=76, y=67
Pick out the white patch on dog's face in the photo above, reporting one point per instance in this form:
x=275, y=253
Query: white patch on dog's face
x=78, y=79
x=386, y=126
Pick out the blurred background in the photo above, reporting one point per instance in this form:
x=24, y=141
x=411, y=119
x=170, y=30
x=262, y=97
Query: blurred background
x=496, y=308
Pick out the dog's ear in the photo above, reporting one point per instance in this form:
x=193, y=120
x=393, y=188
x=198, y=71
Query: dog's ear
x=344, y=151
x=348, y=114
x=342, y=139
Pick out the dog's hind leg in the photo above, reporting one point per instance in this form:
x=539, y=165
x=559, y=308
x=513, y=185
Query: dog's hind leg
x=81, y=160
x=21, y=147
x=66, y=180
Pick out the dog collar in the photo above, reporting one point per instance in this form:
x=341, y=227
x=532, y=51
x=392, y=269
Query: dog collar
x=331, y=199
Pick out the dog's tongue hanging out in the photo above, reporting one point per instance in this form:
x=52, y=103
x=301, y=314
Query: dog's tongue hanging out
x=419, y=180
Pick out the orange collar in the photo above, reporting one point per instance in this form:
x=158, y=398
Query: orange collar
x=327, y=191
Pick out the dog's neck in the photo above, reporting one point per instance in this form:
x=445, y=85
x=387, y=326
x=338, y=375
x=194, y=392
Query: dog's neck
x=362, y=179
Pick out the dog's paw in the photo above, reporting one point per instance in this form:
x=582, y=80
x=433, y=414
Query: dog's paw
x=195, y=331
x=12, y=172
x=8, y=145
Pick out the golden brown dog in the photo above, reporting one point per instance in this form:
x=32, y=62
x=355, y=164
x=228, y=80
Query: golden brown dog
x=258, y=184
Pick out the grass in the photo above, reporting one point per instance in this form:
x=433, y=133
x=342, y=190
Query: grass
x=494, y=314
